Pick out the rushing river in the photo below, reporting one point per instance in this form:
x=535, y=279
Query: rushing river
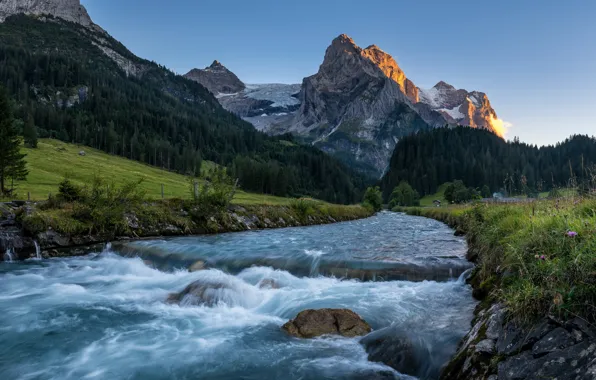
x=103, y=316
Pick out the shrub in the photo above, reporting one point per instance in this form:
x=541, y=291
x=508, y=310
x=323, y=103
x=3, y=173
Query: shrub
x=303, y=207
x=373, y=199
x=69, y=192
x=404, y=195
x=485, y=192
x=100, y=204
x=457, y=192
x=213, y=196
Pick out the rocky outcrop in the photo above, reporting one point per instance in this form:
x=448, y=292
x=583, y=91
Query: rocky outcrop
x=314, y=323
x=500, y=349
x=14, y=244
x=217, y=79
x=69, y=10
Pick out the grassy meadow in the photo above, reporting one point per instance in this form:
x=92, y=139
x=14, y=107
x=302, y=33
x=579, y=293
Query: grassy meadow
x=53, y=160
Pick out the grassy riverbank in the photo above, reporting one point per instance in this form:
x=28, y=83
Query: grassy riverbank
x=537, y=258
x=100, y=212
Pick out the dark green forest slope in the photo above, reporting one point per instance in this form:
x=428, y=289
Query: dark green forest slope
x=82, y=86
x=478, y=157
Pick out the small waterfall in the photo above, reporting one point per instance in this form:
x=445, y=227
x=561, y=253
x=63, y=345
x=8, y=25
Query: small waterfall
x=316, y=260
x=37, y=250
x=464, y=276
x=9, y=255
x=107, y=248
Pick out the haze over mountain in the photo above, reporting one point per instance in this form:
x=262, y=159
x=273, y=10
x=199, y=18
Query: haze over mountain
x=356, y=107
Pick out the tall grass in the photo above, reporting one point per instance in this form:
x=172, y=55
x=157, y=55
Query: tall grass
x=538, y=258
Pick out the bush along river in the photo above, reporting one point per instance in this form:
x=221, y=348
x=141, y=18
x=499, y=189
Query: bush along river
x=124, y=313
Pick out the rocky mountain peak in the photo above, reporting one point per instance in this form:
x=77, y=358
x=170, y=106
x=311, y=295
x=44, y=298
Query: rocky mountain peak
x=69, y=10
x=343, y=39
x=217, y=65
x=343, y=44
x=217, y=79
x=444, y=85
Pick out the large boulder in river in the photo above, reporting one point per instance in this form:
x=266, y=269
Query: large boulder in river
x=201, y=292
x=313, y=323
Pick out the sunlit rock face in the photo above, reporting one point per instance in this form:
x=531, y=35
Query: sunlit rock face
x=461, y=107
x=69, y=10
x=387, y=64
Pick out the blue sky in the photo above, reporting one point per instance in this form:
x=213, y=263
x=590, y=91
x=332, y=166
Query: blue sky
x=536, y=59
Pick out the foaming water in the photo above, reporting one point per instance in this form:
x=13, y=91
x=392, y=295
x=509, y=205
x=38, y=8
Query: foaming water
x=103, y=316
x=8, y=255
x=389, y=246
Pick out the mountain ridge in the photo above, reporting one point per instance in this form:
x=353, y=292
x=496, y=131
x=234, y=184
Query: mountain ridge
x=348, y=108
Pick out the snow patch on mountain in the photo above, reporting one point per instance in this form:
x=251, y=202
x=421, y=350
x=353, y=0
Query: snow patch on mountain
x=454, y=113
x=282, y=95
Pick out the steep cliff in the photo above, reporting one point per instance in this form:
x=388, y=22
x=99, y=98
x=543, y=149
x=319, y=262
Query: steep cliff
x=69, y=10
x=357, y=106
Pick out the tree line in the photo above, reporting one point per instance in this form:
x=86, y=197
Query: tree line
x=483, y=161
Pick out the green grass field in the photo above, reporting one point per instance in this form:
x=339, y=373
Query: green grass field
x=53, y=160
x=427, y=201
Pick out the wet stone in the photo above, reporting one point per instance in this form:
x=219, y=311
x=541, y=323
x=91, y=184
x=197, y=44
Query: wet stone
x=574, y=363
x=511, y=339
x=583, y=326
x=486, y=346
x=557, y=339
x=314, y=323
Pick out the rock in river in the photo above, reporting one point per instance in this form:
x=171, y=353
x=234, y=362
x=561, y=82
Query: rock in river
x=313, y=323
x=201, y=292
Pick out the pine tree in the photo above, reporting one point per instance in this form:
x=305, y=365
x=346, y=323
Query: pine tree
x=30, y=133
x=12, y=162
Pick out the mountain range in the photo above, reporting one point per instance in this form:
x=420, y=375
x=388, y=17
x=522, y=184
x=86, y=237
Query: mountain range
x=79, y=85
x=357, y=107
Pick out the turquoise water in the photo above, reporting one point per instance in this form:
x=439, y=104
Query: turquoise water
x=103, y=316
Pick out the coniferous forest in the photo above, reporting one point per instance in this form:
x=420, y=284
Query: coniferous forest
x=70, y=90
x=480, y=158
